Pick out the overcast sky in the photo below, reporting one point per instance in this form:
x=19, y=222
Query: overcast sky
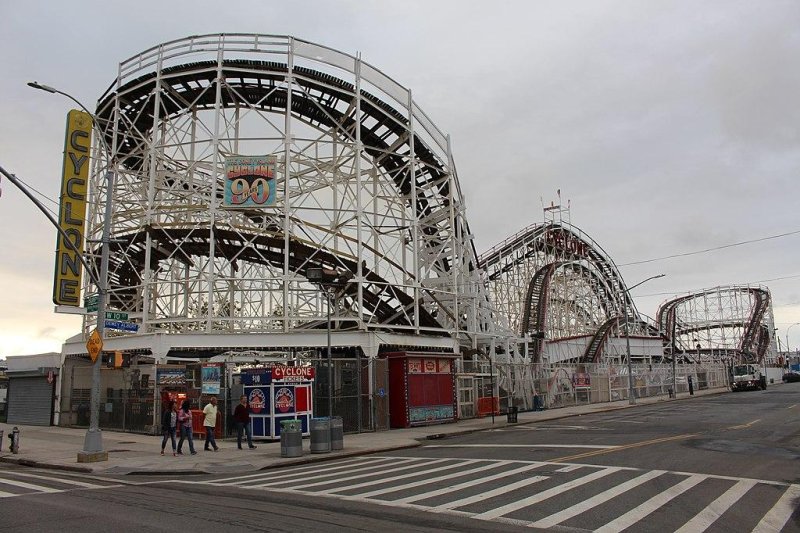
x=671, y=127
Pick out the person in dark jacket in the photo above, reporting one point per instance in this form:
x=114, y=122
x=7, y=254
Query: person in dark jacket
x=169, y=421
x=241, y=416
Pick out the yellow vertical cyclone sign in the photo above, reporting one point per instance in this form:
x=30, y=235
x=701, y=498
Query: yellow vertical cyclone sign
x=72, y=212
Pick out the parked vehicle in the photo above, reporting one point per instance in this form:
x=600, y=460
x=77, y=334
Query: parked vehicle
x=747, y=377
x=791, y=377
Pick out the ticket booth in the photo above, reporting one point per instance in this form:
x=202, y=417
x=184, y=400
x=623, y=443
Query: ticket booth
x=422, y=389
x=276, y=394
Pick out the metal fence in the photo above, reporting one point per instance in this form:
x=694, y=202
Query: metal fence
x=562, y=386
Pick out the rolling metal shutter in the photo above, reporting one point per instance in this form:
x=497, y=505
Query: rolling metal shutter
x=30, y=401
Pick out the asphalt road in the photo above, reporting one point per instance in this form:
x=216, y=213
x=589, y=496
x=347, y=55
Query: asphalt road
x=723, y=463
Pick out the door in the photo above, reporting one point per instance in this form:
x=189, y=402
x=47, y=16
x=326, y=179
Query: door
x=30, y=401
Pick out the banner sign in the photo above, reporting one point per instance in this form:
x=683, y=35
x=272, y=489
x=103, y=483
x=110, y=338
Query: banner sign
x=249, y=181
x=210, y=374
x=170, y=377
x=293, y=373
x=581, y=380
x=72, y=210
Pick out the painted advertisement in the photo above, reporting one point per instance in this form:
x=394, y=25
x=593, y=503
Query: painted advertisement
x=284, y=400
x=211, y=375
x=249, y=181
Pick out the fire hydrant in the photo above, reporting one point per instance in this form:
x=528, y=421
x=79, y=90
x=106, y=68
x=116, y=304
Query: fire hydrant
x=14, y=438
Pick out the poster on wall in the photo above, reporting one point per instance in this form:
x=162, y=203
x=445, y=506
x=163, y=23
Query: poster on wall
x=211, y=375
x=249, y=181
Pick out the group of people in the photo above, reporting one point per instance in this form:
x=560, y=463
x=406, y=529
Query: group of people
x=173, y=419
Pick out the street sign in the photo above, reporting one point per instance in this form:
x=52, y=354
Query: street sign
x=116, y=315
x=90, y=302
x=94, y=345
x=123, y=326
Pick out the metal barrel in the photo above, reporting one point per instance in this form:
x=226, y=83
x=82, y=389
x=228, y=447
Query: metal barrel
x=320, y=435
x=337, y=433
x=291, y=441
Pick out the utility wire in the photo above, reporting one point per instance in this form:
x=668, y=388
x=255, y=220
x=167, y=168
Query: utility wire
x=41, y=194
x=709, y=249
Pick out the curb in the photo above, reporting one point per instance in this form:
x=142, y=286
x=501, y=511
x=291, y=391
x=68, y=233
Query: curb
x=50, y=466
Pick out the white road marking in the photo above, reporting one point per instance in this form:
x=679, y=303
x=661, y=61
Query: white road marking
x=403, y=476
x=386, y=471
x=22, y=484
x=592, y=446
x=303, y=469
x=66, y=481
x=715, y=509
x=467, y=484
x=491, y=493
x=275, y=481
x=640, y=512
x=780, y=513
x=594, y=501
x=428, y=481
x=570, y=468
x=547, y=494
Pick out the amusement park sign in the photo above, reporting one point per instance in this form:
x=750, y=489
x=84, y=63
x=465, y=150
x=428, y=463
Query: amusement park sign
x=566, y=241
x=249, y=181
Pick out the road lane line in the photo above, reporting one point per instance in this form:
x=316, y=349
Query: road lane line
x=491, y=493
x=385, y=471
x=654, y=503
x=780, y=513
x=22, y=484
x=594, y=501
x=403, y=476
x=792, y=406
x=545, y=495
x=570, y=468
x=745, y=426
x=429, y=481
x=467, y=484
x=594, y=446
x=622, y=447
x=320, y=473
x=705, y=518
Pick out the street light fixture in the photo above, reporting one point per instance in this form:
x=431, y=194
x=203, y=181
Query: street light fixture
x=631, y=398
x=787, y=337
x=93, y=441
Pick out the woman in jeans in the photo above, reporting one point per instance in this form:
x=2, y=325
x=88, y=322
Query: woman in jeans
x=185, y=423
x=169, y=421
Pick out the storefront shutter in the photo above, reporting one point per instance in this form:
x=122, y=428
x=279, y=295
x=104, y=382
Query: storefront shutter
x=30, y=401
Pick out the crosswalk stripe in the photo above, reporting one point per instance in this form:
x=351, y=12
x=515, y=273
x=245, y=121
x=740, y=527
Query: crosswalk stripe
x=23, y=485
x=403, y=476
x=491, y=493
x=596, y=500
x=66, y=481
x=780, y=513
x=467, y=484
x=313, y=467
x=274, y=480
x=547, y=494
x=428, y=481
x=638, y=513
x=7, y=494
x=705, y=518
x=359, y=476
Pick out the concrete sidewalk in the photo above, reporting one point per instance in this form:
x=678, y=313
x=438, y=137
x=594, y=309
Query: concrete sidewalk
x=132, y=453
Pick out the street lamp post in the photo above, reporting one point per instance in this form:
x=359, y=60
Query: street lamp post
x=93, y=441
x=787, y=336
x=631, y=397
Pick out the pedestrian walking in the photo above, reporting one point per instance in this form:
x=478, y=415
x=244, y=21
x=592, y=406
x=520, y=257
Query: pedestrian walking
x=169, y=421
x=185, y=423
x=209, y=422
x=241, y=416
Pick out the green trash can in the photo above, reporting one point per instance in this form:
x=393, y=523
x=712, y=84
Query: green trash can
x=291, y=438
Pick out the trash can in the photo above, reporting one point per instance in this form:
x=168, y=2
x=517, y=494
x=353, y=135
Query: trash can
x=320, y=435
x=291, y=438
x=337, y=433
x=511, y=413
